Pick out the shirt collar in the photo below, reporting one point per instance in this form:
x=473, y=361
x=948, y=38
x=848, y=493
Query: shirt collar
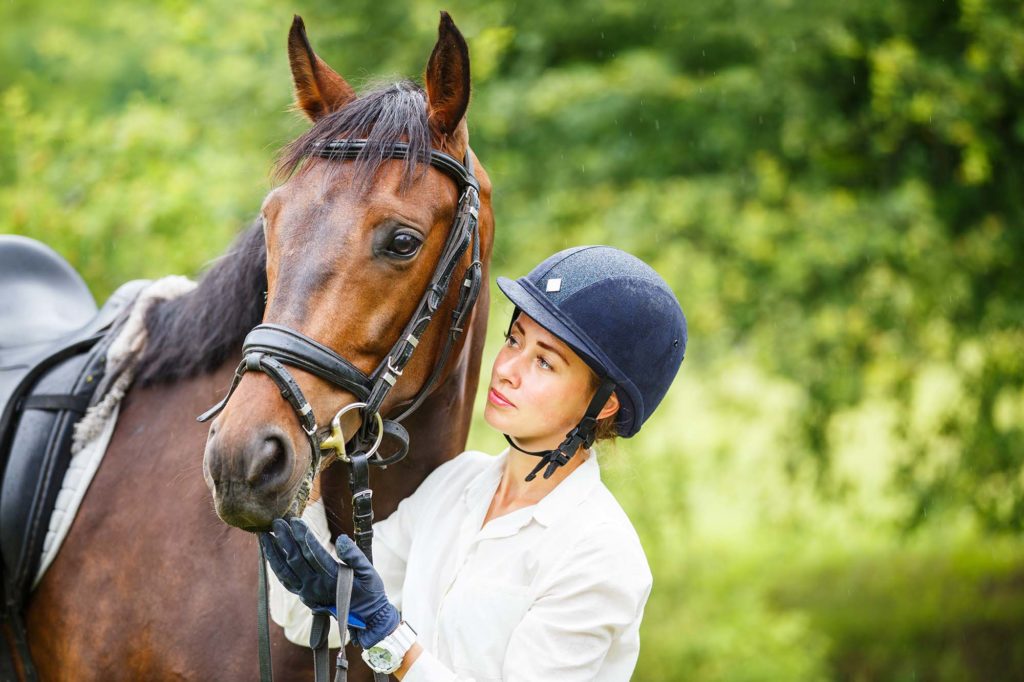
x=575, y=488
x=483, y=485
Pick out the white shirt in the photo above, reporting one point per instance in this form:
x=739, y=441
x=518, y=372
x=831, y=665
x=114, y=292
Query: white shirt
x=551, y=591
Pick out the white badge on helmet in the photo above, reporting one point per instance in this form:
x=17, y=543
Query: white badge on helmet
x=554, y=284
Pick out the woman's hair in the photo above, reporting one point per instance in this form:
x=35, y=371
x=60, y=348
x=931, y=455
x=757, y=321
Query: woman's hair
x=606, y=428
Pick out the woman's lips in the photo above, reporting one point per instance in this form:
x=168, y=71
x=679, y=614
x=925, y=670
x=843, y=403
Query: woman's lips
x=498, y=399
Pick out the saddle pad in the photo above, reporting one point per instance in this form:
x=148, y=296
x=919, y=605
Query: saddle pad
x=76, y=482
x=94, y=431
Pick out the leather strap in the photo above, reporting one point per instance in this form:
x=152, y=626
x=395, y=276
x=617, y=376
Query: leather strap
x=263, y=622
x=299, y=350
x=342, y=600
x=347, y=150
x=362, y=503
x=19, y=639
x=318, y=643
x=56, y=402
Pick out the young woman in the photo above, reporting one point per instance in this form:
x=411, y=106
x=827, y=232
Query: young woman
x=521, y=566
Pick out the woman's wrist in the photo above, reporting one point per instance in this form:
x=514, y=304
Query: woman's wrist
x=410, y=657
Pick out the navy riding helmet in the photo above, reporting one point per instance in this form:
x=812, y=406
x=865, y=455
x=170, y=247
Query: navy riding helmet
x=621, y=318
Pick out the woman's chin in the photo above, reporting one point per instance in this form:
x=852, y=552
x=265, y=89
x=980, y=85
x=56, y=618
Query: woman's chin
x=495, y=419
x=501, y=421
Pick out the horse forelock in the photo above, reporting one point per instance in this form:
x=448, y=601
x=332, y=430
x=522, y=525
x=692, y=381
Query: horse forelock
x=393, y=113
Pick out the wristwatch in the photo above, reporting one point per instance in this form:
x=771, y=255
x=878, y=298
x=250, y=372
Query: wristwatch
x=386, y=655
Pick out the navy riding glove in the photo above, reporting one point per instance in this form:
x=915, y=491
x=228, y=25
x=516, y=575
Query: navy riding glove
x=306, y=568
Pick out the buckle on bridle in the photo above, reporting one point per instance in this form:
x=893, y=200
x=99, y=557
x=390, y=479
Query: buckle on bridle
x=336, y=439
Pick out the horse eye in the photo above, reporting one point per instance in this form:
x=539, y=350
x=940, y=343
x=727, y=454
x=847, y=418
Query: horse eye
x=403, y=245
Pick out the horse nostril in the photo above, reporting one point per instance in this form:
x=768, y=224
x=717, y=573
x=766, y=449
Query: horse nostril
x=270, y=463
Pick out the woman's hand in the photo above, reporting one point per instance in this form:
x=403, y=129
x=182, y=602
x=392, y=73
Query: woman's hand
x=305, y=567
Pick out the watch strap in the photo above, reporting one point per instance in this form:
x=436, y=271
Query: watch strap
x=401, y=640
x=397, y=644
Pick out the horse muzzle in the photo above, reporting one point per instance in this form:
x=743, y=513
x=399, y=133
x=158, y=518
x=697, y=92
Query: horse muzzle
x=253, y=479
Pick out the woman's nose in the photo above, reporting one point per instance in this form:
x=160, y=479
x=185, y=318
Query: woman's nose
x=506, y=368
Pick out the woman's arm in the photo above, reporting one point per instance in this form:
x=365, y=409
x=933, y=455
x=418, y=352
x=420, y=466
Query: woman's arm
x=410, y=658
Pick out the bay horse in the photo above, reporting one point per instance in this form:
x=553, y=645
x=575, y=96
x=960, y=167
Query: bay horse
x=151, y=584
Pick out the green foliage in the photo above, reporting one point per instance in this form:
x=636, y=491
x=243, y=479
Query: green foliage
x=942, y=612
x=831, y=188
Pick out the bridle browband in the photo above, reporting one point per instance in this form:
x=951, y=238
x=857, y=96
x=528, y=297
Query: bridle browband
x=271, y=348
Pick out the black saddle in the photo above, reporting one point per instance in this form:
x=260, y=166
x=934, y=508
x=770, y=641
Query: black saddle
x=53, y=344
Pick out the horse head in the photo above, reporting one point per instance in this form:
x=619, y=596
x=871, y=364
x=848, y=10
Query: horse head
x=354, y=235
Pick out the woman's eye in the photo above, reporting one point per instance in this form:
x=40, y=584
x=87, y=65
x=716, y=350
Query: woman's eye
x=403, y=245
x=543, y=363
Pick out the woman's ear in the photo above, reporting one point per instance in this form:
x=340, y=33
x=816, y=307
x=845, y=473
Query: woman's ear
x=611, y=406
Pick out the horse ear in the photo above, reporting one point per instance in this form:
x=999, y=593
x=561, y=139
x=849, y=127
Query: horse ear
x=318, y=89
x=447, y=78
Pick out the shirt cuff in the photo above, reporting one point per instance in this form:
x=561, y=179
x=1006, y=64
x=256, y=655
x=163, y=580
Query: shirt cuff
x=428, y=668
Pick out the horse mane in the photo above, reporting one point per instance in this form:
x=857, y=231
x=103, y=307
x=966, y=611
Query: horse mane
x=196, y=333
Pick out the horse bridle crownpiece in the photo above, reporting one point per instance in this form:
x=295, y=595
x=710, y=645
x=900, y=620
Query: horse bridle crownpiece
x=271, y=348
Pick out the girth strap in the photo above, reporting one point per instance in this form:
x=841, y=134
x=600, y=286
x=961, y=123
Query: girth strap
x=19, y=643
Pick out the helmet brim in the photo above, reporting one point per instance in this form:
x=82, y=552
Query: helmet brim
x=528, y=302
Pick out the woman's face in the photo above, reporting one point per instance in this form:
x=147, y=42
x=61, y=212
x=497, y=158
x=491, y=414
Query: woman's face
x=539, y=387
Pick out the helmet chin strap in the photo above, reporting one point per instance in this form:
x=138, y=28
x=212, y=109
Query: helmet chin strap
x=582, y=435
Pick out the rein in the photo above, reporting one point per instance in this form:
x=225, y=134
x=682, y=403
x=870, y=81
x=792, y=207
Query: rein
x=272, y=348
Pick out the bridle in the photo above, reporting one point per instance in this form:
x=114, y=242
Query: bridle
x=272, y=348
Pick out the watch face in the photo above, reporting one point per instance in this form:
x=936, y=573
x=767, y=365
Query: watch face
x=380, y=658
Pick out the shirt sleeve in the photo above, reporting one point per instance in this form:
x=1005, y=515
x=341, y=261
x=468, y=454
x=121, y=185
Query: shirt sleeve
x=595, y=598
x=392, y=539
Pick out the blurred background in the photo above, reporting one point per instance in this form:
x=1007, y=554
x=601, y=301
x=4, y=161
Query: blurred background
x=833, y=489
